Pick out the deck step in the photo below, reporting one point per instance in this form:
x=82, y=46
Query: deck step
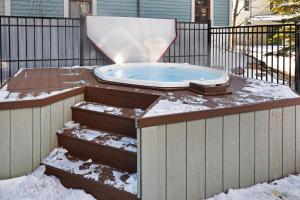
x=101, y=146
x=101, y=181
x=107, y=118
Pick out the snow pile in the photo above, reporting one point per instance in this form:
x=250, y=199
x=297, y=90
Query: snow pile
x=287, y=188
x=60, y=159
x=38, y=186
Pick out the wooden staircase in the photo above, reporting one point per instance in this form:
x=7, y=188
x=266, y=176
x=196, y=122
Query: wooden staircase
x=98, y=149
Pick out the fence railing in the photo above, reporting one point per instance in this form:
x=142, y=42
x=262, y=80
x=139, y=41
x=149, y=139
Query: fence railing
x=37, y=42
x=265, y=52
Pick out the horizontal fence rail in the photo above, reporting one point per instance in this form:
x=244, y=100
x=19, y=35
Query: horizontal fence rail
x=265, y=52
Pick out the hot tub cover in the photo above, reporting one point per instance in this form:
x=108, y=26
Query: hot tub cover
x=131, y=40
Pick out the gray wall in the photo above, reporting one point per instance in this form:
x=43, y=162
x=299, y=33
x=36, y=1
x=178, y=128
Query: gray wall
x=37, y=8
x=179, y=9
x=2, y=7
x=125, y=8
x=221, y=12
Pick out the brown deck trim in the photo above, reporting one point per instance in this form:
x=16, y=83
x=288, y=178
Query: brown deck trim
x=41, y=102
x=218, y=112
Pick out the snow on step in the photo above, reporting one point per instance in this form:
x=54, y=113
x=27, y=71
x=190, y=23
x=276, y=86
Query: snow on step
x=114, y=110
x=60, y=158
x=100, y=137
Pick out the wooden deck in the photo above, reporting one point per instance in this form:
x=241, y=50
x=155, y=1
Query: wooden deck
x=48, y=85
x=239, y=139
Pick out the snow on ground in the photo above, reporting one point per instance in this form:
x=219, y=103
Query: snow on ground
x=284, y=64
x=38, y=186
x=284, y=189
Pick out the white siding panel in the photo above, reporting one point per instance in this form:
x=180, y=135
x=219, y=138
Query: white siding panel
x=196, y=160
x=21, y=141
x=36, y=134
x=261, y=146
x=298, y=139
x=153, y=168
x=45, y=131
x=231, y=152
x=275, y=149
x=214, y=153
x=68, y=103
x=246, y=149
x=176, y=168
x=5, y=144
x=57, y=122
x=288, y=140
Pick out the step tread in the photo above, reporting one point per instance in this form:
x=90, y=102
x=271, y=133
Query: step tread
x=110, y=110
x=105, y=138
x=120, y=180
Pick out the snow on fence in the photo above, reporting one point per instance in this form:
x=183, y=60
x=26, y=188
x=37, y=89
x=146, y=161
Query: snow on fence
x=198, y=159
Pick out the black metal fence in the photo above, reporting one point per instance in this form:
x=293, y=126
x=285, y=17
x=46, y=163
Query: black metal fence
x=265, y=52
x=37, y=42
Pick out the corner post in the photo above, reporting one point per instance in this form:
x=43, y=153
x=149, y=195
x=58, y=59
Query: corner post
x=209, y=39
x=81, y=20
x=297, y=56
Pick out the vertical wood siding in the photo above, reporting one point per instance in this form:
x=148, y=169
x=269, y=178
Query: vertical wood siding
x=28, y=135
x=198, y=159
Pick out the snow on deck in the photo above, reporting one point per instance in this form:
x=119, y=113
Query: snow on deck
x=60, y=159
x=7, y=96
x=254, y=91
x=287, y=189
x=101, y=137
x=97, y=107
x=38, y=186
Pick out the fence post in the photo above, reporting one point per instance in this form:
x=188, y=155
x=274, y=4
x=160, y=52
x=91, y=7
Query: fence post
x=209, y=43
x=81, y=20
x=297, y=56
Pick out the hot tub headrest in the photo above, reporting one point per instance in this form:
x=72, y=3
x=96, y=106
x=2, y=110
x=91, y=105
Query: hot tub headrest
x=131, y=40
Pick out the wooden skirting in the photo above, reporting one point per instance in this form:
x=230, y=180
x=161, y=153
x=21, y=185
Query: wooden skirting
x=198, y=159
x=29, y=134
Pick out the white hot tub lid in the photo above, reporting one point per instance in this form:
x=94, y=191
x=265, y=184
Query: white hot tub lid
x=131, y=40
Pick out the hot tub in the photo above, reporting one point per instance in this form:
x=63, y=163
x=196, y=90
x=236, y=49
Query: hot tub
x=166, y=75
